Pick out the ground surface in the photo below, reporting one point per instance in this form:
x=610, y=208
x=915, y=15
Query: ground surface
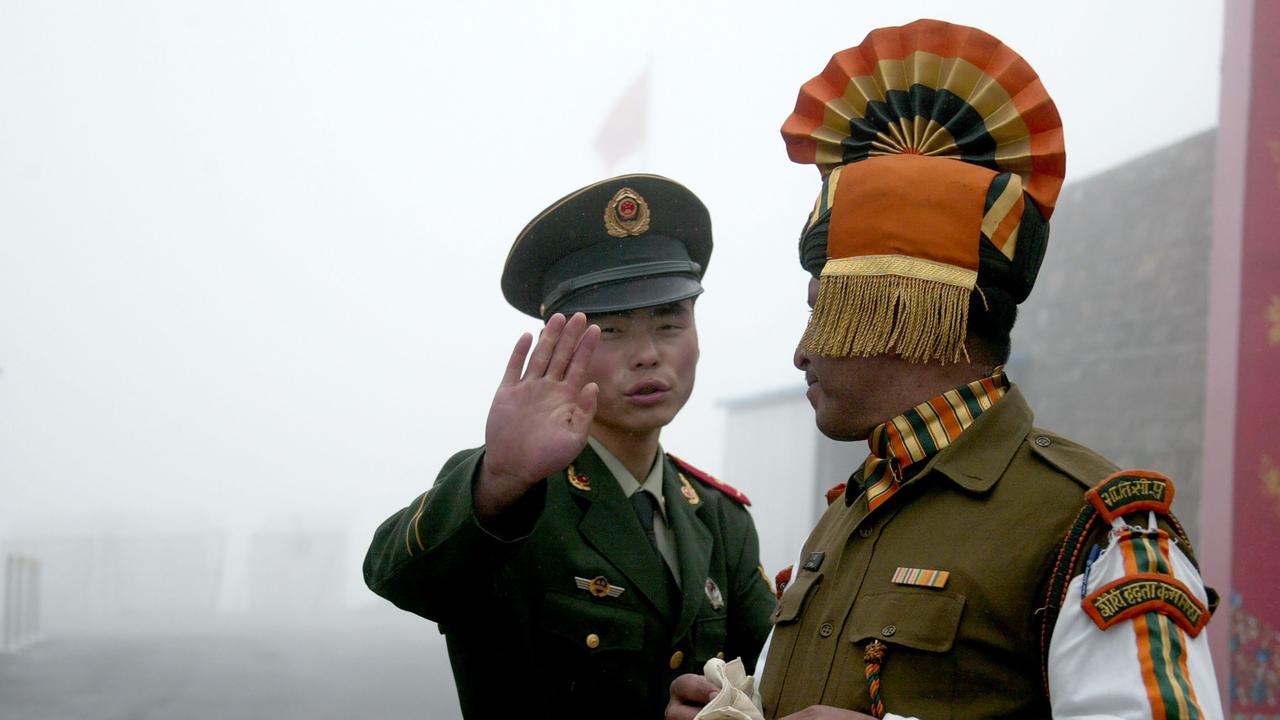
x=362, y=665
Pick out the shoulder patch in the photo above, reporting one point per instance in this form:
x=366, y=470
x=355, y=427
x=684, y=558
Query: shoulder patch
x=1146, y=592
x=730, y=491
x=1130, y=491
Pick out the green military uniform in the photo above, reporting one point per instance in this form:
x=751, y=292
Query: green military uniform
x=990, y=509
x=528, y=636
x=565, y=605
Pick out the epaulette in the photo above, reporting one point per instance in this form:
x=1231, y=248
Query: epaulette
x=1082, y=465
x=730, y=491
x=1119, y=494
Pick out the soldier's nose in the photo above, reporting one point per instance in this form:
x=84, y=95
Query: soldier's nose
x=800, y=359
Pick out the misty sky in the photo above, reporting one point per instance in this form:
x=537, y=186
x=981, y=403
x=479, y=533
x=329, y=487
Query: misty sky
x=249, y=251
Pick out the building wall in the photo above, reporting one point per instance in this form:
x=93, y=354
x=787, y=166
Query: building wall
x=772, y=459
x=1111, y=344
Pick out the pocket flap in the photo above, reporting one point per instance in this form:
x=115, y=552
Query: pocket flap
x=795, y=597
x=591, y=624
x=913, y=619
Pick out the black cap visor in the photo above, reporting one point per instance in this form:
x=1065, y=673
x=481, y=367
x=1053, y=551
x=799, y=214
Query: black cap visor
x=629, y=294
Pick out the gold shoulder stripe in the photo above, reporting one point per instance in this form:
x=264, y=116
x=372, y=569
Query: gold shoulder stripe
x=413, y=524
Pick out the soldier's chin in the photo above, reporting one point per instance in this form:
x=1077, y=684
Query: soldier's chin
x=838, y=427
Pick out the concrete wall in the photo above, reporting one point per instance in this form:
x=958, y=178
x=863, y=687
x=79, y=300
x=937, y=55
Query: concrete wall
x=1111, y=344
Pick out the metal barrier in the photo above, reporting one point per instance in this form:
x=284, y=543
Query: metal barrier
x=21, y=602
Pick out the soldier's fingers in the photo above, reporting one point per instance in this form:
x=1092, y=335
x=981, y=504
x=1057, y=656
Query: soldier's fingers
x=587, y=397
x=689, y=693
x=512, y=374
x=546, y=344
x=582, y=355
x=566, y=345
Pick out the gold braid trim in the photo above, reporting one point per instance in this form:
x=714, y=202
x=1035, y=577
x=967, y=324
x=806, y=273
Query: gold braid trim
x=873, y=304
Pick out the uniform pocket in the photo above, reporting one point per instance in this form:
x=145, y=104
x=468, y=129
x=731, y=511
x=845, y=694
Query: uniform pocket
x=796, y=597
x=592, y=626
x=914, y=619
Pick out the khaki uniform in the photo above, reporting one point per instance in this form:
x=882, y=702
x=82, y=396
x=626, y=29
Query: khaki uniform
x=528, y=636
x=990, y=509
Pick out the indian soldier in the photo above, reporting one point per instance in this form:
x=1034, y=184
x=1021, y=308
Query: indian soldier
x=975, y=565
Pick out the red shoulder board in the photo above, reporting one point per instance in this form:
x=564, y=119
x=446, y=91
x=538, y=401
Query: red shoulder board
x=725, y=488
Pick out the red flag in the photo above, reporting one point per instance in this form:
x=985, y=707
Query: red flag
x=625, y=130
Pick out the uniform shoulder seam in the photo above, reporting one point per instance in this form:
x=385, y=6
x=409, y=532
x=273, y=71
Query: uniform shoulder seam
x=1084, y=466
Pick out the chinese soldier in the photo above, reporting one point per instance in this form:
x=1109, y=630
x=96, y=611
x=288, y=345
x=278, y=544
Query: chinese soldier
x=574, y=567
x=974, y=566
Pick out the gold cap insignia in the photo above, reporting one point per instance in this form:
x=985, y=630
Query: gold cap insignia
x=598, y=586
x=687, y=490
x=713, y=594
x=582, y=482
x=626, y=214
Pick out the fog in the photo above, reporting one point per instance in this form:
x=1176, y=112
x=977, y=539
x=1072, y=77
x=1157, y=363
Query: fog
x=249, y=262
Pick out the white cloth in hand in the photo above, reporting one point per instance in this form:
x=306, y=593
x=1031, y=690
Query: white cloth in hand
x=737, y=699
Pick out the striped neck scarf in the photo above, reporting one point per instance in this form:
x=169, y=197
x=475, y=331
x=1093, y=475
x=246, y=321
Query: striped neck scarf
x=922, y=431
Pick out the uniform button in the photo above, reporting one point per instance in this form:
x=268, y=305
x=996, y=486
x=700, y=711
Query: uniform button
x=865, y=532
x=888, y=630
x=826, y=630
x=720, y=654
x=1043, y=441
x=677, y=658
x=593, y=641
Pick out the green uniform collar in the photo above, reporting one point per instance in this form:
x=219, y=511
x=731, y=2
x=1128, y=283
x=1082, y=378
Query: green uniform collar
x=628, y=482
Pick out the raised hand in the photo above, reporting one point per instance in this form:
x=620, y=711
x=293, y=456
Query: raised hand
x=538, y=421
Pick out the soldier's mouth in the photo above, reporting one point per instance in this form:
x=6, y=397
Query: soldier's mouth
x=647, y=392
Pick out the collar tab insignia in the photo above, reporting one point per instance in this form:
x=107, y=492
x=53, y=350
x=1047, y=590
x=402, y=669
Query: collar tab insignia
x=626, y=214
x=921, y=577
x=582, y=482
x=598, y=586
x=686, y=489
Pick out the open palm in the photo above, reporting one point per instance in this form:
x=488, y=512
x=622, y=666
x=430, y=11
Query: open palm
x=539, y=419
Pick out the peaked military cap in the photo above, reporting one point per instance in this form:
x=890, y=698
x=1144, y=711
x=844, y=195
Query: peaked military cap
x=628, y=242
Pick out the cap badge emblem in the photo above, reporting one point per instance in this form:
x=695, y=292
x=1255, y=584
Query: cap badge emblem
x=626, y=214
x=582, y=482
x=598, y=586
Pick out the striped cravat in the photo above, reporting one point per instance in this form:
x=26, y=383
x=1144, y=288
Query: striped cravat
x=922, y=431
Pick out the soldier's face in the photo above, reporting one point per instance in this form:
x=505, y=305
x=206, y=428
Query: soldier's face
x=645, y=365
x=850, y=396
